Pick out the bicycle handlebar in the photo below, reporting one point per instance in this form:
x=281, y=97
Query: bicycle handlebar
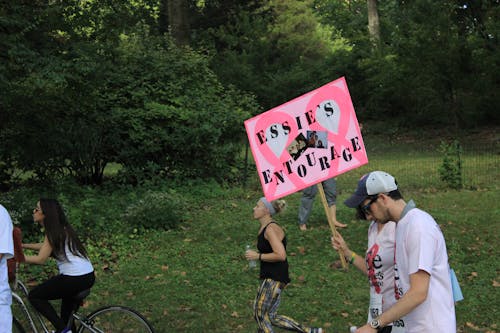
x=13, y=263
x=17, y=235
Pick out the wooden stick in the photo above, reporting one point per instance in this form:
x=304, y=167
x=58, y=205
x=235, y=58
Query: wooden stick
x=331, y=222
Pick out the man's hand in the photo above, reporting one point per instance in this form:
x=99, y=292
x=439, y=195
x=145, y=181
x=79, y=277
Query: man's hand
x=366, y=329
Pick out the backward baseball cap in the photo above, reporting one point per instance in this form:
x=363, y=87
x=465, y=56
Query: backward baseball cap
x=370, y=184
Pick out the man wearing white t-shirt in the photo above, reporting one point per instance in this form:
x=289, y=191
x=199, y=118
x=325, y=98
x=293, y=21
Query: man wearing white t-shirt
x=423, y=285
x=6, y=252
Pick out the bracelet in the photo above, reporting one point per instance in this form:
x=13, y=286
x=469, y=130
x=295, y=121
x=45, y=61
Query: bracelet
x=260, y=256
x=353, y=256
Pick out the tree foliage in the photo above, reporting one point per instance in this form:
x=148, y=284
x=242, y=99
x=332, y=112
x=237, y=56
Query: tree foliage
x=86, y=83
x=101, y=88
x=428, y=71
x=276, y=51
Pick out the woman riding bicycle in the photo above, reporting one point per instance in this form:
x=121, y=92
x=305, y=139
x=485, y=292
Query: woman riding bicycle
x=75, y=269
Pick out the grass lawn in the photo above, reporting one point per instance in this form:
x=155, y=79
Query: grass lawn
x=195, y=278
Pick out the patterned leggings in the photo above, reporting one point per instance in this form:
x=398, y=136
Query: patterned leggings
x=265, y=308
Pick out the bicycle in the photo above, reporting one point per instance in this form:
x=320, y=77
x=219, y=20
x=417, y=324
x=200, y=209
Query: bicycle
x=107, y=319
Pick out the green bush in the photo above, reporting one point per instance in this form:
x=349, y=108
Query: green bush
x=451, y=168
x=155, y=210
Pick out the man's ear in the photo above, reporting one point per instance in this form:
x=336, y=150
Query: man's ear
x=384, y=197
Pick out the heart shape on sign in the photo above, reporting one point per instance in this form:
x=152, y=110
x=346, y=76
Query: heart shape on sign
x=328, y=115
x=277, y=138
x=276, y=129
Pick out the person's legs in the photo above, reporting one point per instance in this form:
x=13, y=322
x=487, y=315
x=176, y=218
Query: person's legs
x=262, y=306
x=76, y=284
x=306, y=203
x=5, y=319
x=59, y=287
x=282, y=321
x=266, y=307
x=40, y=295
x=330, y=188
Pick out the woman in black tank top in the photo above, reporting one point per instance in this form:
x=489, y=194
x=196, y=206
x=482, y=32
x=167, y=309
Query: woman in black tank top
x=271, y=245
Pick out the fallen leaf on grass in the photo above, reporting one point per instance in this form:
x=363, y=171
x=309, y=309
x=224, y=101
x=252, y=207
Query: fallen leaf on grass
x=337, y=264
x=472, y=326
x=235, y=314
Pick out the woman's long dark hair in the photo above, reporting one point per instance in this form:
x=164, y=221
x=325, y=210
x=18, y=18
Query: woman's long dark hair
x=59, y=232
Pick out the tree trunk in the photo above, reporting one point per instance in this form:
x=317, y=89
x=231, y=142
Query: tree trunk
x=373, y=22
x=163, y=17
x=177, y=11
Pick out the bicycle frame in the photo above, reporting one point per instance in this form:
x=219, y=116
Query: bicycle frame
x=25, y=308
x=85, y=323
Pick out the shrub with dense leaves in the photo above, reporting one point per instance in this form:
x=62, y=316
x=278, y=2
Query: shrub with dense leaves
x=155, y=210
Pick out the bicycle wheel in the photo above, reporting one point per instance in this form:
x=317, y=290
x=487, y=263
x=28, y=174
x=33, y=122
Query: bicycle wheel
x=115, y=319
x=17, y=327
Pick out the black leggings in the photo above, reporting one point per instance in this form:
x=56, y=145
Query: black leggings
x=63, y=287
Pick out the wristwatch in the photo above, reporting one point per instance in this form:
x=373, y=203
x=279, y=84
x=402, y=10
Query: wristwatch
x=375, y=323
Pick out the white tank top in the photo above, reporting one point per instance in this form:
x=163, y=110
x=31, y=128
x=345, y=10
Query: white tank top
x=74, y=265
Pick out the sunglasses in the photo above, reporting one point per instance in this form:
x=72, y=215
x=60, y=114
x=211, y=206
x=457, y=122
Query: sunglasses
x=366, y=208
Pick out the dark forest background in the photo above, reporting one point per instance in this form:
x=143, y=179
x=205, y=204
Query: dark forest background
x=161, y=88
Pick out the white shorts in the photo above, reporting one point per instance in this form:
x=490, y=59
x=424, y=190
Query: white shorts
x=5, y=319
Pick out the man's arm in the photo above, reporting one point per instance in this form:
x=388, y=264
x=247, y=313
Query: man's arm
x=416, y=295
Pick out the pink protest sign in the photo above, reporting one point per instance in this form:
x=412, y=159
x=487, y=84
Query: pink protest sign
x=309, y=139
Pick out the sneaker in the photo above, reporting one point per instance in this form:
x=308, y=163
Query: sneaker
x=316, y=330
x=303, y=227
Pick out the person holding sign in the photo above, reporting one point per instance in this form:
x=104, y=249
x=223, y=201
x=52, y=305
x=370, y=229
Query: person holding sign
x=307, y=200
x=423, y=286
x=271, y=244
x=378, y=266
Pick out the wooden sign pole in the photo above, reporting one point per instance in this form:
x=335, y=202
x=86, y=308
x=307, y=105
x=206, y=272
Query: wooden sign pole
x=331, y=222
